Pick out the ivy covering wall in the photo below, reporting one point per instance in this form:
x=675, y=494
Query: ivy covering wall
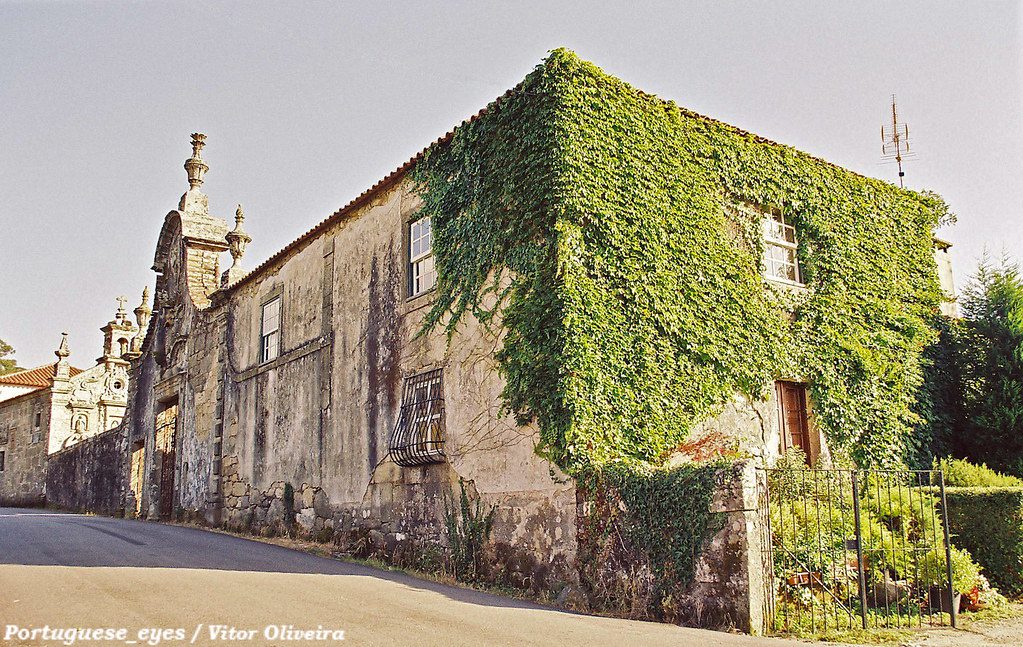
x=631, y=293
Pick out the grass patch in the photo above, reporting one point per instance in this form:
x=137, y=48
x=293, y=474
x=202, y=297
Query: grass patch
x=859, y=636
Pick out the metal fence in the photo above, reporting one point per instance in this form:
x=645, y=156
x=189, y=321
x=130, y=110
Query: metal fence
x=851, y=549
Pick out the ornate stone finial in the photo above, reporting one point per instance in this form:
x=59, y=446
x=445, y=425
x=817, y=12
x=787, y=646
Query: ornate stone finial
x=62, y=352
x=237, y=241
x=194, y=165
x=62, y=370
x=142, y=312
x=198, y=141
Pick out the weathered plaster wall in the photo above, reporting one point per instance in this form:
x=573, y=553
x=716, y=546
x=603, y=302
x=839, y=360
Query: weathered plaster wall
x=89, y=476
x=320, y=416
x=198, y=415
x=753, y=427
x=22, y=481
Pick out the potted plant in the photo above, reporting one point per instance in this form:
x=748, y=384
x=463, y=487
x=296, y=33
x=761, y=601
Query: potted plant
x=933, y=573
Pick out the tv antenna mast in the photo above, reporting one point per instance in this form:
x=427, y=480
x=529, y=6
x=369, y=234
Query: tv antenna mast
x=895, y=143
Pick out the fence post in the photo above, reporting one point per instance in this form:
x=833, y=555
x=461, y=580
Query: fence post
x=860, y=570
x=952, y=606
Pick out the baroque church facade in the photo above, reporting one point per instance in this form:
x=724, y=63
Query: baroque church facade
x=51, y=408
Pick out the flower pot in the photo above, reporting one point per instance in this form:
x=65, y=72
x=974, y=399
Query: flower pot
x=939, y=599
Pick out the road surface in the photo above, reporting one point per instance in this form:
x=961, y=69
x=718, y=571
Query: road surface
x=160, y=584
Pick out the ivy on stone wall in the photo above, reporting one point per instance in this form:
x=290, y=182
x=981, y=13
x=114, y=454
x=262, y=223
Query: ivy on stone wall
x=645, y=530
x=598, y=216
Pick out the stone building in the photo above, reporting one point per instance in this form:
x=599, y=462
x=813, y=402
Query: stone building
x=308, y=388
x=53, y=407
x=296, y=375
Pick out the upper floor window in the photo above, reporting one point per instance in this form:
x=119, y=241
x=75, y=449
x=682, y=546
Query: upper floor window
x=3, y=455
x=422, y=275
x=37, y=430
x=781, y=262
x=419, y=433
x=270, y=331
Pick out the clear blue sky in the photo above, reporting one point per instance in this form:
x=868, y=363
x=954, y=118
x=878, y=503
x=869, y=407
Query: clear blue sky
x=306, y=105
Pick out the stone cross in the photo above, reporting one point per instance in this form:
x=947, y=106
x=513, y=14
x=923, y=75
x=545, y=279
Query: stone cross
x=120, y=303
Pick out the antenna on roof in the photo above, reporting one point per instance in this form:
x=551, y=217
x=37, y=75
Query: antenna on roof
x=895, y=143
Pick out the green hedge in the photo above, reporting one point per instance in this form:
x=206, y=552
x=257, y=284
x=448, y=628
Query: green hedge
x=988, y=522
x=962, y=473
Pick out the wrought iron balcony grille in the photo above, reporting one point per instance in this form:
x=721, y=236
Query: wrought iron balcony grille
x=418, y=437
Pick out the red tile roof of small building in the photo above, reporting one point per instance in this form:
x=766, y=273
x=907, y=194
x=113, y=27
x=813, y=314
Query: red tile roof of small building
x=39, y=377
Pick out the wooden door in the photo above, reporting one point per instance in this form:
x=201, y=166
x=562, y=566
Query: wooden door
x=795, y=427
x=166, y=423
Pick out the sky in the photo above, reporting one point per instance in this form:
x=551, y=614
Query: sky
x=307, y=105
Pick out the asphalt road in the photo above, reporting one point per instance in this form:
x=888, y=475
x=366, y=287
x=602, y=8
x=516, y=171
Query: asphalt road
x=165, y=584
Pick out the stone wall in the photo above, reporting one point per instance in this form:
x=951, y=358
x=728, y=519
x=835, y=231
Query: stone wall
x=726, y=591
x=23, y=444
x=753, y=428
x=89, y=477
x=728, y=584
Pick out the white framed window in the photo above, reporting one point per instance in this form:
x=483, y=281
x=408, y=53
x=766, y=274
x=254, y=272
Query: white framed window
x=270, y=331
x=781, y=258
x=422, y=275
x=418, y=436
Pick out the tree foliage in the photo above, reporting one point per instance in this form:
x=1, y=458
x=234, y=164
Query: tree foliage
x=977, y=374
x=596, y=222
x=7, y=363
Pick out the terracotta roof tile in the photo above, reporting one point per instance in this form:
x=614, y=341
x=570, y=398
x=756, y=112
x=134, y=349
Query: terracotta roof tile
x=41, y=376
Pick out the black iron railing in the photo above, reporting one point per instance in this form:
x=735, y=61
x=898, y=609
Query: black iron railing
x=851, y=549
x=418, y=437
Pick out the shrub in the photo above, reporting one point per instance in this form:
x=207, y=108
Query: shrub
x=812, y=517
x=988, y=522
x=468, y=529
x=962, y=473
x=934, y=572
